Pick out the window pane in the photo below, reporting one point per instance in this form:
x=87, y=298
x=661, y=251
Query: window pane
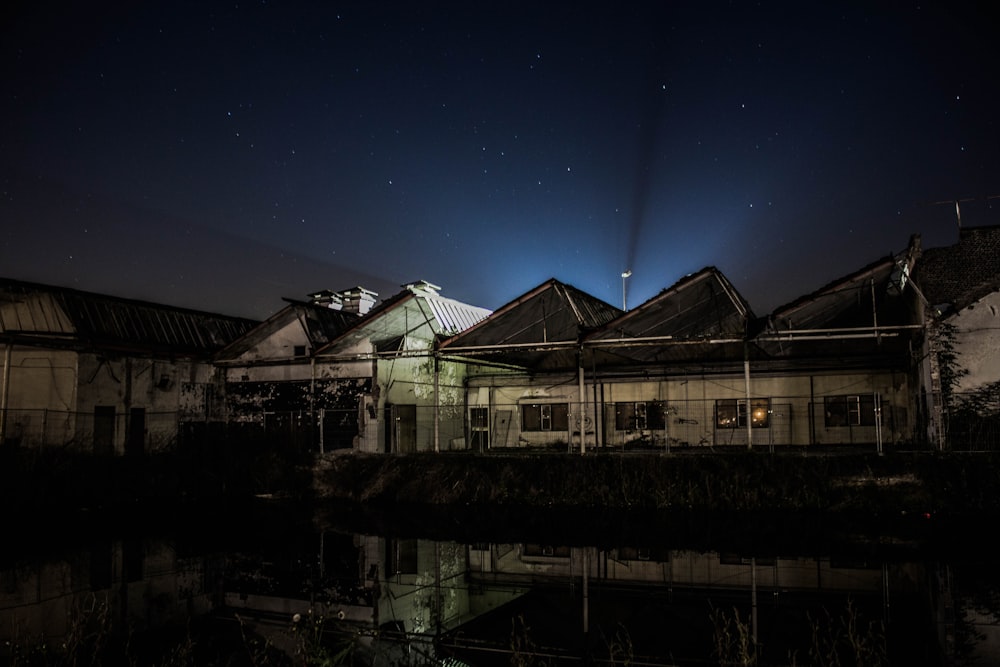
x=560, y=416
x=725, y=414
x=656, y=415
x=835, y=411
x=624, y=416
x=546, y=411
x=760, y=412
x=531, y=418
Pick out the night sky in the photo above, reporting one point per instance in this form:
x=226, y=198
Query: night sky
x=224, y=156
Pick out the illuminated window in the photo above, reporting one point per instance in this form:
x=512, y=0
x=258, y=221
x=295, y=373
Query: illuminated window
x=849, y=410
x=639, y=416
x=732, y=413
x=545, y=417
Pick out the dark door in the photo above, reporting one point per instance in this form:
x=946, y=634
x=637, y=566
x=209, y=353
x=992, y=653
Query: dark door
x=104, y=429
x=401, y=428
x=135, y=436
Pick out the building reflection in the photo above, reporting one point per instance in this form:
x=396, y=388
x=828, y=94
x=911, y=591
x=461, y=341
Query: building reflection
x=483, y=603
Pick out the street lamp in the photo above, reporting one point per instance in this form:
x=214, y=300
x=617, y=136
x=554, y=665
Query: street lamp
x=625, y=274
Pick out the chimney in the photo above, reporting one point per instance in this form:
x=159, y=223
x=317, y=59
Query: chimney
x=328, y=299
x=422, y=287
x=357, y=300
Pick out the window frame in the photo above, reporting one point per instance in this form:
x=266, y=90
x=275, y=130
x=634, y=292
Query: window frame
x=653, y=415
x=545, y=417
x=853, y=409
x=734, y=411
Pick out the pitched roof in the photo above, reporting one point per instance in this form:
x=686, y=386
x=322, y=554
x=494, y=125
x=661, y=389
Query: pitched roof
x=688, y=320
x=32, y=313
x=859, y=299
x=551, y=312
x=416, y=311
x=320, y=324
x=538, y=329
x=962, y=273
x=862, y=318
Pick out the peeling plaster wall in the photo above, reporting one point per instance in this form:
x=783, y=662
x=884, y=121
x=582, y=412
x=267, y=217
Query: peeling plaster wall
x=124, y=384
x=41, y=396
x=410, y=381
x=42, y=379
x=978, y=342
x=53, y=394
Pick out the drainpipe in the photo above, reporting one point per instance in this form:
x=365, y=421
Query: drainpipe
x=583, y=408
x=746, y=380
x=437, y=406
x=4, y=393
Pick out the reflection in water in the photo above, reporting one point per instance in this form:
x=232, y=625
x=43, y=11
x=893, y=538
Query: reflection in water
x=262, y=592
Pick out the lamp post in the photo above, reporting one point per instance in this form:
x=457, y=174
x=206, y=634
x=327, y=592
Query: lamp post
x=625, y=274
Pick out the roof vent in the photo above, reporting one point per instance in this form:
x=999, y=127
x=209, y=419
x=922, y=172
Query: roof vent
x=422, y=287
x=357, y=300
x=327, y=298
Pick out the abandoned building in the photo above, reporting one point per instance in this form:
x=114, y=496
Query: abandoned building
x=873, y=358
x=99, y=373
x=340, y=372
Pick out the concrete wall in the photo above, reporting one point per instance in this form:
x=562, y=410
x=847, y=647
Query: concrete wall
x=977, y=342
x=795, y=403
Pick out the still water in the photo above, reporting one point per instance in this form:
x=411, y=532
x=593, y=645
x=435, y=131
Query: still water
x=272, y=585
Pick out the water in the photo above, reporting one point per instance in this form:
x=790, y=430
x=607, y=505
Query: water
x=272, y=585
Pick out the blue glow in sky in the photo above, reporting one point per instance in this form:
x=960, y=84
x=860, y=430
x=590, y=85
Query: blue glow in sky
x=222, y=157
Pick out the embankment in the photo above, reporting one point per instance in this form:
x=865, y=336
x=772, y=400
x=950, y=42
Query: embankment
x=891, y=484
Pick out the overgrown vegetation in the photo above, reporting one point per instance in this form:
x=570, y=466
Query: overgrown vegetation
x=731, y=481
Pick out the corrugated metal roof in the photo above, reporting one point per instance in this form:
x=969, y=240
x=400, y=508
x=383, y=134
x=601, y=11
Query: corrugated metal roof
x=453, y=316
x=33, y=312
x=417, y=312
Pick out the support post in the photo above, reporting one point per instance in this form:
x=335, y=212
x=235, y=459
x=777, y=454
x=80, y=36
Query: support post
x=583, y=409
x=5, y=392
x=437, y=407
x=746, y=380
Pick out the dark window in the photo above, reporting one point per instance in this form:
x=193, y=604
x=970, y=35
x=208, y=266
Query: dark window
x=546, y=551
x=639, y=416
x=480, y=418
x=545, y=417
x=401, y=557
x=849, y=410
x=299, y=350
x=732, y=413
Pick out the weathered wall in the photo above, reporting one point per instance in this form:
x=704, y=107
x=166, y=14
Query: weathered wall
x=410, y=381
x=977, y=343
x=796, y=408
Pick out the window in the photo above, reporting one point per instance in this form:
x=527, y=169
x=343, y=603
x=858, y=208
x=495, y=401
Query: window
x=479, y=418
x=546, y=551
x=732, y=413
x=850, y=410
x=545, y=417
x=299, y=350
x=639, y=416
